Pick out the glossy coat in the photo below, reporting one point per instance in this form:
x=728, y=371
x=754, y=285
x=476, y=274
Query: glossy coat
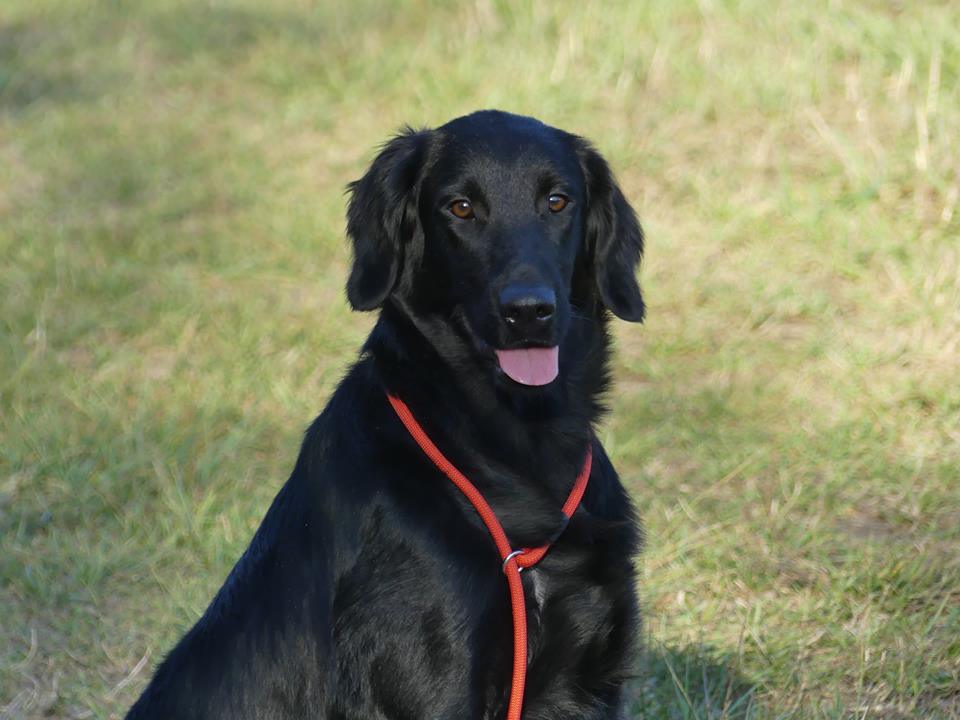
x=372, y=589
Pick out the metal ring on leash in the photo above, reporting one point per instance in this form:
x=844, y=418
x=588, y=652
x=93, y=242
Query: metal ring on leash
x=510, y=557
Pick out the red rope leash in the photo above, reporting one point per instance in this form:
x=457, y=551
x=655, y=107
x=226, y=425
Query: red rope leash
x=513, y=560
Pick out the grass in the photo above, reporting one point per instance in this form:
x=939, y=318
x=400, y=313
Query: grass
x=788, y=419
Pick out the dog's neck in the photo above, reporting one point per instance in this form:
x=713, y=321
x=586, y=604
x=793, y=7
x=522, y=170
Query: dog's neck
x=431, y=366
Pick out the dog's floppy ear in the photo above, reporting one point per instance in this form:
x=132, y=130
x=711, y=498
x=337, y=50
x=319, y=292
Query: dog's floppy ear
x=613, y=235
x=381, y=217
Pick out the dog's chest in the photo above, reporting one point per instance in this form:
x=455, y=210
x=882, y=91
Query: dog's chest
x=538, y=586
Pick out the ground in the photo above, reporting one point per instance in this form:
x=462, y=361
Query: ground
x=788, y=419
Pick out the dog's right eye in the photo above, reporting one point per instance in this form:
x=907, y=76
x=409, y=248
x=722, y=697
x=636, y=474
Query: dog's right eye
x=462, y=209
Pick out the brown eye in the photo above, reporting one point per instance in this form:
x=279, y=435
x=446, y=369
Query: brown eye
x=556, y=202
x=462, y=209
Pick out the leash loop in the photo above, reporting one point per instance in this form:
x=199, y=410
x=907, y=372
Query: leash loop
x=511, y=556
x=514, y=561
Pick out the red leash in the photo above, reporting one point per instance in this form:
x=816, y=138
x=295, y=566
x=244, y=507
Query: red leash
x=513, y=560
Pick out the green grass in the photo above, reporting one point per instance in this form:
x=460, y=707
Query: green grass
x=788, y=419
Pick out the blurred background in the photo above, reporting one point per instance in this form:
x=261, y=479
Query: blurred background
x=172, y=316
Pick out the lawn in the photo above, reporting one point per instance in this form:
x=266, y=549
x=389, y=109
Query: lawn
x=172, y=317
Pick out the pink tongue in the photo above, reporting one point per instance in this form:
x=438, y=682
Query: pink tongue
x=530, y=366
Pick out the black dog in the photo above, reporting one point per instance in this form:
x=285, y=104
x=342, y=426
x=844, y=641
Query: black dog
x=494, y=247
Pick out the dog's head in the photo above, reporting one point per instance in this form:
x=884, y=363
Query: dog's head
x=495, y=233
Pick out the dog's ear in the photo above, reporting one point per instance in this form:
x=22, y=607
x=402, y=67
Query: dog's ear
x=613, y=235
x=381, y=217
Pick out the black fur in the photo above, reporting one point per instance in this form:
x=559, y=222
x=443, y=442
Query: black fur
x=372, y=589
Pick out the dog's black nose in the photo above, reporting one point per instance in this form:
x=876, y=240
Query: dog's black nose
x=527, y=310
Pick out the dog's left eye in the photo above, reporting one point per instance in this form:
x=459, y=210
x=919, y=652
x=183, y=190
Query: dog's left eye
x=462, y=209
x=556, y=202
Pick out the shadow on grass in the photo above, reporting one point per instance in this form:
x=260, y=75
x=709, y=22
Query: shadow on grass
x=104, y=51
x=691, y=683
x=24, y=81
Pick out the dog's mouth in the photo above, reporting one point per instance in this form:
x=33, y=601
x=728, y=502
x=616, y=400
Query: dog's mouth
x=531, y=365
